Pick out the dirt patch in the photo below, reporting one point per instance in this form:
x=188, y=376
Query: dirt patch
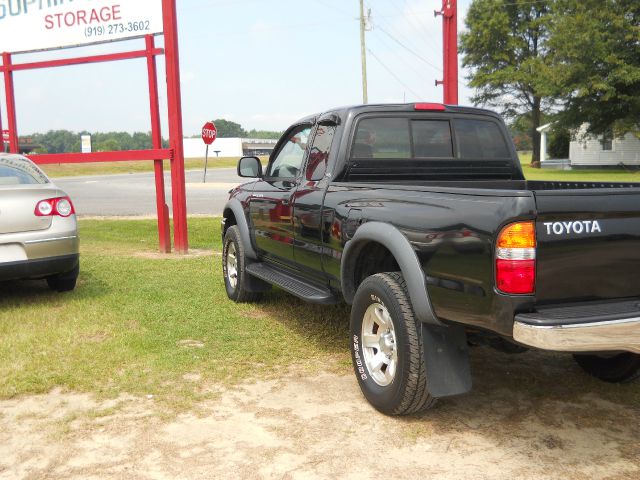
x=317, y=425
x=190, y=343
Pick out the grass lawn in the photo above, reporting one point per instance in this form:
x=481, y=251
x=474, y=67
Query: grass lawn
x=105, y=168
x=609, y=175
x=144, y=323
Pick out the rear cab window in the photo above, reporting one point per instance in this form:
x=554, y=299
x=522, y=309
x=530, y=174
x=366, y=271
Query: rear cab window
x=18, y=171
x=479, y=139
x=455, y=147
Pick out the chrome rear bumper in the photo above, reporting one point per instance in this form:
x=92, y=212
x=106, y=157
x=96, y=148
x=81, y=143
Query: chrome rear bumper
x=610, y=335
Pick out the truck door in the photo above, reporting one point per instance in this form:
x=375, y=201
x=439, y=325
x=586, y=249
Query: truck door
x=270, y=206
x=308, y=200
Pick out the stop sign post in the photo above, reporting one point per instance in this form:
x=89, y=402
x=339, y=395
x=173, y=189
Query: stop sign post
x=209, y=134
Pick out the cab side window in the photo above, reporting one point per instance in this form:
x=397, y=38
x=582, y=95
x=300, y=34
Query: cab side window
x=288, y=161
x=319, y=153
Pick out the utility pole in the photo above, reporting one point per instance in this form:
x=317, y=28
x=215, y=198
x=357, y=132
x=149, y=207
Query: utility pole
x=449, y=81
x=363, y=54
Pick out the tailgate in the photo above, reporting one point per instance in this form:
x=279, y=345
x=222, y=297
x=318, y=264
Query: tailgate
x=588, y=245
x=17, y=207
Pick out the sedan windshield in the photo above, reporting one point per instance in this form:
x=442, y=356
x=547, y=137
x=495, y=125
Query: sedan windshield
x=18, y=171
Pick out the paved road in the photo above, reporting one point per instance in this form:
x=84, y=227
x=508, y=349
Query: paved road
x=134, y=194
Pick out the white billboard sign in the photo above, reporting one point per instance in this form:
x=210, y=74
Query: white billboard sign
x=31, y=25
x=85, y=143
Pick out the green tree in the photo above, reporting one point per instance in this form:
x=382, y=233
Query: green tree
x=558, y=143
x=505, y=49
x=64, y=141
x=58, y=141
x=229, y=129
x=595, y=46
x=264, y=134
x=109, y=145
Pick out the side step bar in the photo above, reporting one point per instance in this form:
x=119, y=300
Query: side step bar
x=292, y=284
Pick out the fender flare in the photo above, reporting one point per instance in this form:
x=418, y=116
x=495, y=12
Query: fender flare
x=399, y=246
x=241, y=221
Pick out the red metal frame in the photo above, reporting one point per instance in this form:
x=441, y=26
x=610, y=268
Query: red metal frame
x=174, y=103
x=449, y=82
x=175, y=152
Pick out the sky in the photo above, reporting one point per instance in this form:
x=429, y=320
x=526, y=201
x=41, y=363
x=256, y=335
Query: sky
x=260, y=63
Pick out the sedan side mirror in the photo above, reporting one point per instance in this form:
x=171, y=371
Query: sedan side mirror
x=250, y=167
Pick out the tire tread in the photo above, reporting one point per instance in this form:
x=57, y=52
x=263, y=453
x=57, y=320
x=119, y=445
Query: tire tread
x=416, y=397
x=241, y=294
x=412, y=395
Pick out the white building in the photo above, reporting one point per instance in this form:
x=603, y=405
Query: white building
x=227, y=147
x=587, y=150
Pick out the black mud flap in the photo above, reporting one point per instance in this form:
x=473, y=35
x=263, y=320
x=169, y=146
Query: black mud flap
x=446, y=358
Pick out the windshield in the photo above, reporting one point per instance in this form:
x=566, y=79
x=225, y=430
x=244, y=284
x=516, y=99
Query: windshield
x=20, y=171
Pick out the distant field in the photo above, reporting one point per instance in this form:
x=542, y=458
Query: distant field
x=107, y=168
x=609, y=175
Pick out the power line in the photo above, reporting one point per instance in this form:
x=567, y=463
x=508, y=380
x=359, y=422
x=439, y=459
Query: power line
x=401, y=58
x=410, y=50
x=393, y=74
x=413, y=19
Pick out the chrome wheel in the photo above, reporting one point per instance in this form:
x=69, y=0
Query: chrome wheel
x=232, y=265
x=379, y=344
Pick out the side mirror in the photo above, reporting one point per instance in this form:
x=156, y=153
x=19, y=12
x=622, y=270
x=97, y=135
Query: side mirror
x=250, y=167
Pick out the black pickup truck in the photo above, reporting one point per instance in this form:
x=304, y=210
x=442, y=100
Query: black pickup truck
x=419, y=217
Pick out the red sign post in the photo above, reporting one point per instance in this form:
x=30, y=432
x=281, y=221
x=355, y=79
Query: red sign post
x=175, y=152
x=209, y=134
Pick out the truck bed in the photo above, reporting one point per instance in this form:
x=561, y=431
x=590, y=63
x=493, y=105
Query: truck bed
x=510, y=185
x=453, y=224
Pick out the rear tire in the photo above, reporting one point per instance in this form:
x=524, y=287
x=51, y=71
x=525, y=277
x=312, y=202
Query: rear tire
x=233, y=268
x=386, y=347
x=64, y=282
x=619, y=368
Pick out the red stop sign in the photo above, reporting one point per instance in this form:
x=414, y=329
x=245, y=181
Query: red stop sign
x=209, y=133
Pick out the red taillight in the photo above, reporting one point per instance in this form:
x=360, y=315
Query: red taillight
x=59, y=206
x=434, y=107
x=516, y=259
x=516, y=276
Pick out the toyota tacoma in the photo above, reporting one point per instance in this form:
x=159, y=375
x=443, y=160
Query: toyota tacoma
x=420, y=218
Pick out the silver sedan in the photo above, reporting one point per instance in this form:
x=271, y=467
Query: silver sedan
x=38, y=227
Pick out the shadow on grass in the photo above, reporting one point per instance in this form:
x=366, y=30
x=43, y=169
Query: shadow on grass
x=22, y=292
x=324, y=326
x=520, y=379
